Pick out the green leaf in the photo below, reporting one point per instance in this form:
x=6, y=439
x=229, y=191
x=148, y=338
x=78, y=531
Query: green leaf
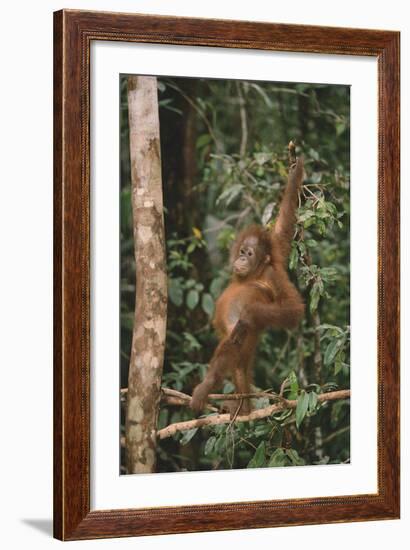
x=258, y=459
x=175, y=292
x=216, y=287
x=332, y=349
x=262, y=158
x=188, y=435
x=209, y=445
x=228, y=387
x=191, y=248
x=301, y=407
x=230, y=194
x=309, y=222
x=306, y=215
x=262, y=429
x=328, y=273
x=161, y=86
x=276, y=436
x=190, y=342
x=338, y=365
x=293, y=258
x=314, y=297
x=203, y=140
x=314, y=154
x=208, y=304
x=296, y=460
x=316, y=177
x=267, y=213
x=278, y=458
x=192, y=299
x=340, y=128
x=294, y=386
x=327, y=326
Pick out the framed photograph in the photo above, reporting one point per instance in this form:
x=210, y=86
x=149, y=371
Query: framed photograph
x=226, y=275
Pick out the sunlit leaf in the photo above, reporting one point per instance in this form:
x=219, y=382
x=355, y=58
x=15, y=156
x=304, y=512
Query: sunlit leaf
x=197, y=232
x=267, y=213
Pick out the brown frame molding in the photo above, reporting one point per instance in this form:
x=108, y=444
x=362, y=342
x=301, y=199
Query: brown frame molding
x=73, y=33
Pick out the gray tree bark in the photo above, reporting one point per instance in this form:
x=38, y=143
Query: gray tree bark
x=148, y=342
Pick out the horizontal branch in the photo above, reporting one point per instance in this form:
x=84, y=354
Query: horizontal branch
x=169, y=397
x=212, y=420
x=172, y=396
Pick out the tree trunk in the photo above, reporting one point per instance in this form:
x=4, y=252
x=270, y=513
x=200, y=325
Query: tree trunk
x=148, y=341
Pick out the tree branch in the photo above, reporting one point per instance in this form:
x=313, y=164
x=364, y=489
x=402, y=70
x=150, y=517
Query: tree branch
x=254, y=415
x=175, y=397
x=184, y=397
x=244, y=123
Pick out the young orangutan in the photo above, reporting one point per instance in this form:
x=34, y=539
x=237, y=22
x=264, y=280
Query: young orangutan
x=259, y=296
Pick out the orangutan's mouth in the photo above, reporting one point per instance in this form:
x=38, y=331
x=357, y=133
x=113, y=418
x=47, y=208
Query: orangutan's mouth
x=240, y=270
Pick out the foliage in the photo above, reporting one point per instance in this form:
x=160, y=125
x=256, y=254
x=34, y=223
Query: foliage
x=225, y=163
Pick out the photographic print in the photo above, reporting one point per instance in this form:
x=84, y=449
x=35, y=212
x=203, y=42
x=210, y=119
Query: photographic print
x=225, y=221
x=235, y=271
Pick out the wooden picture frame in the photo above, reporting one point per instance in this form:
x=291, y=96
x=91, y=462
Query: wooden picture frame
x=73, y=33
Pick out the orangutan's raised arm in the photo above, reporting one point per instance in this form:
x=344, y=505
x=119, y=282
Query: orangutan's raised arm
x=284, y=227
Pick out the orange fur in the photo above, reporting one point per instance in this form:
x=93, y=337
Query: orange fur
x=259, y=297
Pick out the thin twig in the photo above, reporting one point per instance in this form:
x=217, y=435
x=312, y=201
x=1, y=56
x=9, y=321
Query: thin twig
x=244, y=123
x=335, y=434
x=199, y=111
x=283, y=386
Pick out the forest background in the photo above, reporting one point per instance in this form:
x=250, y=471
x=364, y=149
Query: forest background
x=224, y=165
